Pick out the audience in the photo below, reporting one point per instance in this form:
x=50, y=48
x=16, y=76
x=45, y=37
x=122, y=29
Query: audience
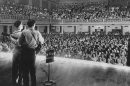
x=90, y=12
x=111, y=49
x=108, y=49
x=19, y=11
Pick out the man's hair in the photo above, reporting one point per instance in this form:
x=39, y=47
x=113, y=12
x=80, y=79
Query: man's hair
x=17, y=23
x=31, y=22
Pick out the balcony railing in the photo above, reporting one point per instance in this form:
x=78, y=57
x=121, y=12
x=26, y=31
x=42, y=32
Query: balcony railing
x=21, y=17
x=95, y=20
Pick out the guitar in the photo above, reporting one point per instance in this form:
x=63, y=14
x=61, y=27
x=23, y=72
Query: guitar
x=13, y=37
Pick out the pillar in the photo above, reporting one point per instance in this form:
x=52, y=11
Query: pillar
x=75, y=31
x=38, y=28
x=61, y=30
x=105, y=30
x=8, y=29
x=122, y=30
x=108, y=29
x=48, y=29
x=89, y=30
x=45, y=29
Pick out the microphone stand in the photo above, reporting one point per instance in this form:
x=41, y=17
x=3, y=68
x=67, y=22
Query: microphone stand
x=49, y=82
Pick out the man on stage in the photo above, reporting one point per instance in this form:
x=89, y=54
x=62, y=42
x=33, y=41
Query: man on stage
x=29, y=41
x=16, y=60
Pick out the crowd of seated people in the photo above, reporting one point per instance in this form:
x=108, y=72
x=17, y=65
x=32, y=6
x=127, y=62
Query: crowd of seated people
x=108, y=49
x=75, y=12
x=19, y=11
x=81, y=11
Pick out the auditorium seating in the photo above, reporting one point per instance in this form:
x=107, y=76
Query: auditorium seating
x=78, y=12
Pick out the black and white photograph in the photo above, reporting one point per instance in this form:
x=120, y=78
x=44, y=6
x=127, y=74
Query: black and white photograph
x=64, y=42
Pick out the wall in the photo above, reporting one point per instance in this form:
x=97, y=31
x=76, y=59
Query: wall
x=82, y=28
x=68, y=28
x=126, y=28
x=79, y=28
x=41, y=28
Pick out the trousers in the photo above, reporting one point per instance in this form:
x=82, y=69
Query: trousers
x=16, y=67
x=28, y=66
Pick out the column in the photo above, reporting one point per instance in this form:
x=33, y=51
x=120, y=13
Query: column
x=89, y=30
x=48, y=29
x=8, y=29
x=38, y=28
x=105, y=30
x=45, y=30
x=75, y=32
x=122, y=30
x=61, y=30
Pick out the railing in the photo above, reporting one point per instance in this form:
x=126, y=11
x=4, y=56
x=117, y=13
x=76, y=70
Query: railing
x=14, y=17
x=96, y=20
x=21, y=17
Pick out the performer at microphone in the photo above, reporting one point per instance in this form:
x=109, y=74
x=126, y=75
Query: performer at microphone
x=16, y=68
x=29, y=40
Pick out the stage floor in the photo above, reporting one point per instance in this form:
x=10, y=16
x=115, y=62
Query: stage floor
x=71, y=72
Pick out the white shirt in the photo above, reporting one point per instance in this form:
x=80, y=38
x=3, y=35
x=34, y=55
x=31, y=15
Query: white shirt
x=29, y=35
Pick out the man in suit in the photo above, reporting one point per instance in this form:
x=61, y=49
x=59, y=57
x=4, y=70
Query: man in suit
x=29, y=41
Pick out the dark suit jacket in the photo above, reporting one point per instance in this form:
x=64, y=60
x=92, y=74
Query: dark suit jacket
x=128, y=57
